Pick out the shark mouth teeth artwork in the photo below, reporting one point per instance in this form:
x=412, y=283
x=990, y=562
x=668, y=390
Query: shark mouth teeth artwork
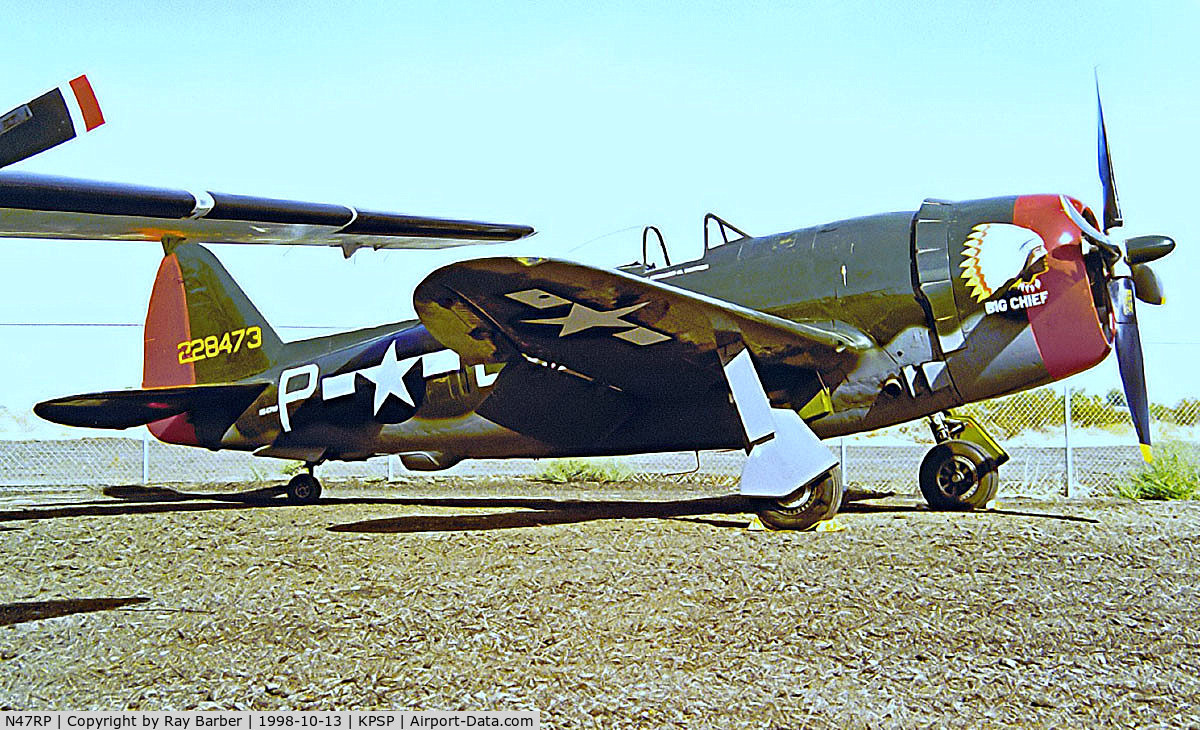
x=997, y=256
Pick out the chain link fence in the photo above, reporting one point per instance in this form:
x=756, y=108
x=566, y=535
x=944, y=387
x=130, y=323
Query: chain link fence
x=1088, y=448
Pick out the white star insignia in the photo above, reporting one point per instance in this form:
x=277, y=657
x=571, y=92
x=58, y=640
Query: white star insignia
x=582, y=317
x=388, y=377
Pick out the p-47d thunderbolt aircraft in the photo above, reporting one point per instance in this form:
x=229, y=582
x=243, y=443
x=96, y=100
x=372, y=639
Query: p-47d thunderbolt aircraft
x=767, y=343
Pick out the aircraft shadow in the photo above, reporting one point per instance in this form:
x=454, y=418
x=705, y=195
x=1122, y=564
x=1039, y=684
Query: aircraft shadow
x=541, y=512
x=864, y=508
x=132, y=507
x=136, y=500
x=17, y=613
x=139, y=493
x=533, y=511
x=544, y=512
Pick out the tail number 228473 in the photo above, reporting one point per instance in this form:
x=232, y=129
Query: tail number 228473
x=203, y=348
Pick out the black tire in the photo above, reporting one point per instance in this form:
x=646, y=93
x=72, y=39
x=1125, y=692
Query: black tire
x=304, y=489
x=804, y=508
x=957, y=475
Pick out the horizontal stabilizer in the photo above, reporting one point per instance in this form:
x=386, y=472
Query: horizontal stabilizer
x=57, y=116
x=127, y=408
x=42, y=206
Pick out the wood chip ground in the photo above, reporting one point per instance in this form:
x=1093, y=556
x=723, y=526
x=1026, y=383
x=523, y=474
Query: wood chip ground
x=600, y=606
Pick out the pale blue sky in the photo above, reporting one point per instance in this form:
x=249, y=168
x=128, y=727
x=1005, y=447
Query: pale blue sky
x=584, y=121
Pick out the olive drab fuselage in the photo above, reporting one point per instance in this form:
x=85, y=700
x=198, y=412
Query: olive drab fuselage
x=959, y=301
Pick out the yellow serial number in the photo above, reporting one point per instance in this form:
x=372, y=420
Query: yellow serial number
x=205, y=347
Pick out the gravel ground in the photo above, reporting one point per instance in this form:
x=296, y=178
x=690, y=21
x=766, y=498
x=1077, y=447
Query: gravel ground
x=601, y=607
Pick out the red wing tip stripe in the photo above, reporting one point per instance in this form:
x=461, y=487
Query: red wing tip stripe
x=92, y=116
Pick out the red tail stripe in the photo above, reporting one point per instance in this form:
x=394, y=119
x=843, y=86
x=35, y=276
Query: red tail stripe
x=167, y=325
x=92, y=117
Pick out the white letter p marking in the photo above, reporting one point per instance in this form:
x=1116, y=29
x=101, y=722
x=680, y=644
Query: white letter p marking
x=309, y=372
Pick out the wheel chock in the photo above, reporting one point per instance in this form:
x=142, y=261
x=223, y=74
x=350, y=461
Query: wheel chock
x=830, y=525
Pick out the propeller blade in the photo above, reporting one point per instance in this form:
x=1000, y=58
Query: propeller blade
x=1144, y=249
x=1146, y=285
x=55, y=117
x=1129, y=360
x=1112, y=206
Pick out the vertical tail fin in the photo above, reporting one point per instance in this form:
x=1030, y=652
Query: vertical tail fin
x=200, y=326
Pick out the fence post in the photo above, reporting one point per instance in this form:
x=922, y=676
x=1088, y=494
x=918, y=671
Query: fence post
x=1067, y=438
x=145, y=457
x=842, y=460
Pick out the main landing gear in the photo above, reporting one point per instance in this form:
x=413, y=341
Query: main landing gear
x=304, y=488
x=804, y=508
x=960, y=472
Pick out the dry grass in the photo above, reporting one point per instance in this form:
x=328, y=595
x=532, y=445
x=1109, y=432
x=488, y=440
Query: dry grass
x=607, y=611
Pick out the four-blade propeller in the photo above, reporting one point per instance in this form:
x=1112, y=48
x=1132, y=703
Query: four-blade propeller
x=1127, y=269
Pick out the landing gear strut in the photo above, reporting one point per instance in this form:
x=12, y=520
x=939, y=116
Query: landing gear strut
x=304, y=488
x=960, y=472
x=804, y=508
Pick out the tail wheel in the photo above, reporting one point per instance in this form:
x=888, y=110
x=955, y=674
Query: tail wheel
x=304, y=489
x=956, y=475
x=804, y=508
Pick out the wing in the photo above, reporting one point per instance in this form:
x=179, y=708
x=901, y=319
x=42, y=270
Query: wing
x=42, y=206
x=641, y=337
x=128, y=408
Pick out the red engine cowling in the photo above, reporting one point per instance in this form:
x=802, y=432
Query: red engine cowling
x=1068, y=330
x=1029, y=309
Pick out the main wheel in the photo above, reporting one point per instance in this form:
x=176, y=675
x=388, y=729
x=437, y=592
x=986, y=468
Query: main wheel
x=304, y=489
x=956, y=475
x=804, y=508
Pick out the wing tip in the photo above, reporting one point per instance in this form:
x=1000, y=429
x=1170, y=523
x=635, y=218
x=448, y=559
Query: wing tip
x=89, y=106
